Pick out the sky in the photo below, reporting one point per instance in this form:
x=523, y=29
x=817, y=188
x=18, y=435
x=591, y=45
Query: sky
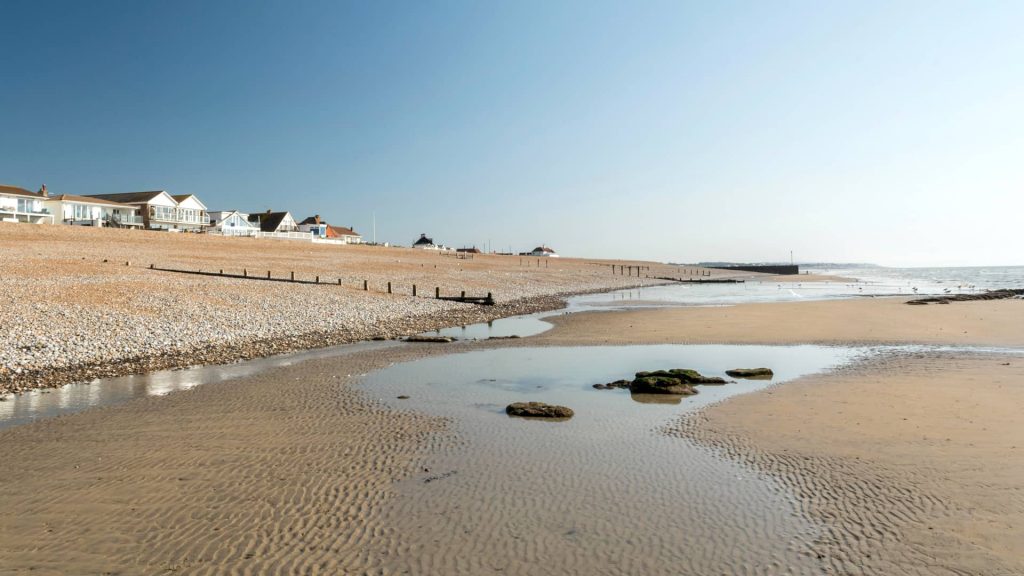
x=884, y=132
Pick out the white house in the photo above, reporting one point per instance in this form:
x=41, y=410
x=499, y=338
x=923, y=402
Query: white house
x=161, y=211
x=543, y=251
x=232, y=223
x=313, y=225
x=86, y=211
x=274, y=221
x=426, y=243
x=347, y=235
x=20, y=205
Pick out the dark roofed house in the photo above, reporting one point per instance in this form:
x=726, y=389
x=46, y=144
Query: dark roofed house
x=270, y=221
x=473, y=250
x=425, y=243
x=543, y=251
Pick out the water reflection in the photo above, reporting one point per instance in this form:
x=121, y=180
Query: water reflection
x=39, y=404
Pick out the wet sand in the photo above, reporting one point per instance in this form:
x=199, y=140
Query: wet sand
x=859, y=321
x=297, y=471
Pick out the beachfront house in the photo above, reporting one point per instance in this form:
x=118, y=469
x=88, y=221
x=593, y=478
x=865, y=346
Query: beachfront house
x=271, y=222
x=20, y=205
x=473, y=250
x=161, y=211
x=232, y=223
x=347, y=235
x=426, y=243
x=315, y=226
x=87, y=211
x=543, y=251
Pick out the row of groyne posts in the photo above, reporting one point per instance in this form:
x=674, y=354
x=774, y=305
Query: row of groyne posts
x=245, y=275
x=627, y=270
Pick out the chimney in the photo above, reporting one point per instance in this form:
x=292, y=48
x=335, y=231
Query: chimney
x=316, y=218
x=42, y=191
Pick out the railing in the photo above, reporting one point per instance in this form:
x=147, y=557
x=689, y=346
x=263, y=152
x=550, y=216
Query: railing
x=176, y=216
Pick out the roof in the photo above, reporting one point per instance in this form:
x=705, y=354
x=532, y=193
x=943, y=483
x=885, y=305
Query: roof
x=130, y=197
x=473, y=250
x=269, y=221
x=342, y=231
x=423, y=241
x=543, y=249
x=312, y=220
x=15, y=191
x=90, y=200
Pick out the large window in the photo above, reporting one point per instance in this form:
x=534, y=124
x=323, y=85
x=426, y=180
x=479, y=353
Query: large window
x=26, y=205
x=162, y=213
x=82, y=212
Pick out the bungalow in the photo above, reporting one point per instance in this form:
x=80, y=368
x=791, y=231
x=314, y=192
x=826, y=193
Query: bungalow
x=274, y=221
x=473, y=250
x=20, y=205
x=543, y=251
x=315, y=226
x=232, y=223
x=426, y=243
x=348, y=235
x=161, y=211
x=86, y=211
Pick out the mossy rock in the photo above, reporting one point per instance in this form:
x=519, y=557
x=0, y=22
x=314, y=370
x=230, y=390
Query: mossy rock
x=661, y=385
x=538, y=410
x=684, y=375
x=751, y=373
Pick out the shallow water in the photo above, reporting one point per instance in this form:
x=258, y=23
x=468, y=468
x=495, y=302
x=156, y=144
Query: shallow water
x=603, y=492
x=39, y=404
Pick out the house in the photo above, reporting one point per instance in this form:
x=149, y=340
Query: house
x=191, y=213
x=232, y=223
x=348, y=235
x=87, y=211
x=543, y=251
x=425, y=243
x=20, y=205
x=315, y=226
x=274, y=221
x=473, y=250
x=161, y=211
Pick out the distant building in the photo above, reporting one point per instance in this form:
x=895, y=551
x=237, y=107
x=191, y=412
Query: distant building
x=87, y=211
x=270, y=221
x=348, y=235
x=232, y=223
x=321, y=229
x=161, y=211
x=473, y=250
x=425, y=243
x=315, y=226
x=544, y=251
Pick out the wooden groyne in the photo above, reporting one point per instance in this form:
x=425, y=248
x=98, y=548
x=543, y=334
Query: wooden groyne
x=779, y=269
x=487, y=300
x=990, y=295
x=701, y=281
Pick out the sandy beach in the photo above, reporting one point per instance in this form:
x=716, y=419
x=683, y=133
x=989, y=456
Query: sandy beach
x=907, y=459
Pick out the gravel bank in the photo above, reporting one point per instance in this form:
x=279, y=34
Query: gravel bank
x=76, y=311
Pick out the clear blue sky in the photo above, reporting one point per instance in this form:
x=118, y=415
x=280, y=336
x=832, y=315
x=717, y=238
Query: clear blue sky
x=890, y=132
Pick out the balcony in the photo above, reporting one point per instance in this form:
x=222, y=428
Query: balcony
x=178, y=216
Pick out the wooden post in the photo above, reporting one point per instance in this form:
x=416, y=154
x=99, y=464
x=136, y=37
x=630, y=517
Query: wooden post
x=463, y=294
x=221, y=271
x=437, y=292
x=414, y=290
x=366, y=285
x=293, y=275
x=268, y=274
x=245, y=273
x=389, y=287
x=317, y=279
x=150, y=266
x=339, y=281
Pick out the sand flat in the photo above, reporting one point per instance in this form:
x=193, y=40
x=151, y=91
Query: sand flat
x=857, y=321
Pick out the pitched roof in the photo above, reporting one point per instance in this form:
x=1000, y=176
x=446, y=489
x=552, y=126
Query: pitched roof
x=544, y=249
x=15, y=191
x=342, y=231
x=129, y=197
x=423, y=241
x=473, y=250
x=269, y=221
x=91, y=200
x=312, y=220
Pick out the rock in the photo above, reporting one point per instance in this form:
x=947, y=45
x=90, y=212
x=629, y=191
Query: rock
x=433, y=339
x=402, y=397
x=683, y=375
x=661, y=385
x=538, y=410
x=613, y=385
x=751, y=373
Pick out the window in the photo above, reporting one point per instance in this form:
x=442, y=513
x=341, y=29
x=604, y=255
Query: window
x=82, y=212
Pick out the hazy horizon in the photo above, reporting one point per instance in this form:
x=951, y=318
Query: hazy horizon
x=885, y=133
